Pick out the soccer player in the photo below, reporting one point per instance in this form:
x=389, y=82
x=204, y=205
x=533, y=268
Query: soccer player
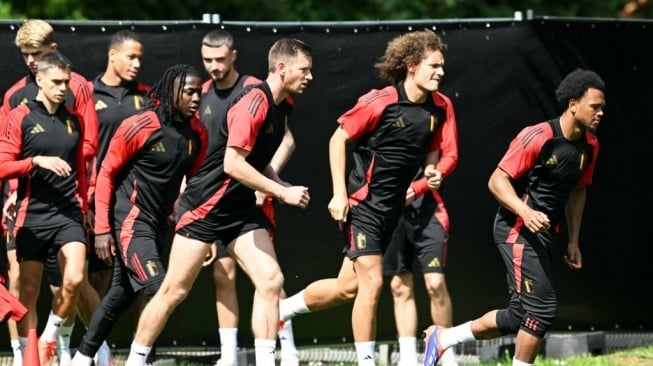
x=43, y=147
x=541, y=178
x=117, y=94
x=34, y=39
x=422, y=234
x=137, y=187
x=218, y=56
x=218, y=203
x=397, y=130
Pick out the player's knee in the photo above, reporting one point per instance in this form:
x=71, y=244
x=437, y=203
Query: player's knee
x=509, y=320
x=399, y=288
x=436, y=287
x=72, y=282
x=538, y=324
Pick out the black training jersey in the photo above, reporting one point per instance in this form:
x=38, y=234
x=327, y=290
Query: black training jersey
x=252, y=123
x=113, y=104
x=43, y=197
x=215, y=101
x=79, y=97
x=546, y=166
x=141, y=174
x=393, y=137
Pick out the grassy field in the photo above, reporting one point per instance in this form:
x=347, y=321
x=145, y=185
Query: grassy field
x=637, y=357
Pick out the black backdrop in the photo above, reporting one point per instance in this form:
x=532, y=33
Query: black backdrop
x=500, y=75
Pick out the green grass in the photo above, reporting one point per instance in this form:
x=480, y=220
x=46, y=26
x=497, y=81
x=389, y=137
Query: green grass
x=637, y=356
x=642, y=356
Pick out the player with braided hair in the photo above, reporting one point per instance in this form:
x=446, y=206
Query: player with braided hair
x=137, y=187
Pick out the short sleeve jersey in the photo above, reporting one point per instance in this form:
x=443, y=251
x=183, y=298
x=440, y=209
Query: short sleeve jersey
x=545, y=167
x=113, y=104
x=145, y=163
x=393, y=137
x=79, y=97
x=43, y=197
x=252, y=123
x=215, y=101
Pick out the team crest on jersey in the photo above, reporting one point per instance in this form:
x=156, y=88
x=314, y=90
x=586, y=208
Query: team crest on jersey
x=36, y=129
x=207, y=111
x=138, y=102
x=100, y=105
x=434, y=122
x=159, y=147
x=361, y=241
x=582, y=163
x=399, y=123
x=69, y=126
x=552, y=161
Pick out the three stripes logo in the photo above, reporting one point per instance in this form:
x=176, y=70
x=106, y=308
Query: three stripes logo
x=159, y=147
x=399, y=123
x=207, y=111
x=37, y=129
x=100, y=104
x=434, y=263
x=552, y=161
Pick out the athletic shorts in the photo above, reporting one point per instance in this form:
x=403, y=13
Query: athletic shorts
x=137, y=251
x=224, y=228
x=369, y=237
x=10, y=241
x=414, y=239
x=528, y=264
x=38, y=243
x=268, y=211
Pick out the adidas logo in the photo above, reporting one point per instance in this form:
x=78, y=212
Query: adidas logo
x=159, y=147
x=99, y=105
x=36, y=129
x=399, y=123
x=434, y=263
x=270, y=129
x=553, y=160
x=207, y=111
x=368, y=357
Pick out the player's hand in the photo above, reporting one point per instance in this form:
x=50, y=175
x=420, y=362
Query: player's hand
x=573, y=258
x=433, y=177
x=260, y=198
x=339, y=208
x=211, y=255
x=535, y=221
x=295, y=196
x=90, y=220
x=54, y=164
x=9, y=208
x=105, y=248
x=410, y=196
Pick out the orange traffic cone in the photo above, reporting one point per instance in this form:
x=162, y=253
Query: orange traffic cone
x=31, y=354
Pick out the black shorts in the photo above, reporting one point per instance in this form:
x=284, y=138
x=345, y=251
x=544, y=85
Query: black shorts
x=367, y=237
x=95, y=264
x=38, y=243
x=137, y=252
x=425, y=240
x=225, y=228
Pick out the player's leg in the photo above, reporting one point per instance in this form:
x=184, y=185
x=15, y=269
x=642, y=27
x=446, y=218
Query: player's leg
x=323, y=294
x=186, y=258
x=226, y=304
x=255, y=253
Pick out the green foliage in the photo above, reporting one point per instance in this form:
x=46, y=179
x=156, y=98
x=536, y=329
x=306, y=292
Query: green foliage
x=308, y=10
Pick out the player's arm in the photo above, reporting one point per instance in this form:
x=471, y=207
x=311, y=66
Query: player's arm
x=574, y=215
x=339, y=205
x=85, y=106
